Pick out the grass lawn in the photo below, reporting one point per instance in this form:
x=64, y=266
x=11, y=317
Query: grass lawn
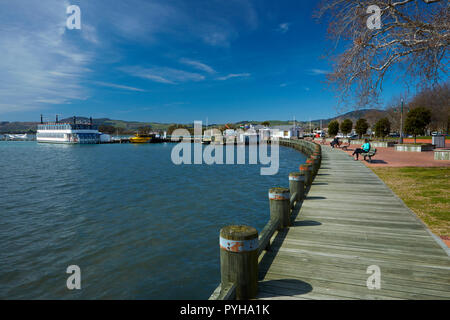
x=426, y=191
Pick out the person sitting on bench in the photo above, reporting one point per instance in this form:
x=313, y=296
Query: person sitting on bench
x=335, y=142
x=364, y=149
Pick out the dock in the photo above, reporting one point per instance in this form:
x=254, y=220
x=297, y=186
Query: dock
x=350, y=224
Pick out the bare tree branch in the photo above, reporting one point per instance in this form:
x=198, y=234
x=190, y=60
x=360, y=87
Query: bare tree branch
x=413, y=41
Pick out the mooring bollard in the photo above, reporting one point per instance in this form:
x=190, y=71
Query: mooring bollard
x=318, y=159
x=239, y=260
x=306, y=168
x=280, y=206
x=315, y=160
x=311, y=163
x=318, y=155
x=297, y=184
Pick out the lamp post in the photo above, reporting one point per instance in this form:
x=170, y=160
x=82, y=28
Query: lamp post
x=401, y=125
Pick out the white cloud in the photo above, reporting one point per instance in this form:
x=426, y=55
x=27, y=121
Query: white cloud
x=43, y=63
x=283, y=27
x=316, y=72
x=198, y=65
x=38, y=65
x=215, y=23
x=162, y=74
x=89, y=33
x=234, y=75
x=118, y=86
x=219, y=38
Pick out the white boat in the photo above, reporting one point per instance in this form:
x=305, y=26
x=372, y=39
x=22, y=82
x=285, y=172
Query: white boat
x=17, y=136
x=72, y=133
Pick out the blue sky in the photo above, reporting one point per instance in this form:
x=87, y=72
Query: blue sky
x=164, y=61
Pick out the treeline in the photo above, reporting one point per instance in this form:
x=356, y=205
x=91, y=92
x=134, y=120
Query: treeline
x=425, y=113
x=190, y=128
x=436, y=100
x=115, y=130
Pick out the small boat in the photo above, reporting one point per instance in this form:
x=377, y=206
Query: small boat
x=141, y=138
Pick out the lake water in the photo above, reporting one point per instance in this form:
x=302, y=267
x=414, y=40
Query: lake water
x=138, y=226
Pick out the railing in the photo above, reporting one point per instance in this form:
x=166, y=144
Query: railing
x=241, y=247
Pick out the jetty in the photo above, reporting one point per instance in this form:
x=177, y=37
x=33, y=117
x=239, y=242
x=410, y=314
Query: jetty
x=350, y=237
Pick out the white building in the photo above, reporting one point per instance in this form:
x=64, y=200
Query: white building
x=249, y=136
x=105, y=137
x=213, y=135
x=286, y=132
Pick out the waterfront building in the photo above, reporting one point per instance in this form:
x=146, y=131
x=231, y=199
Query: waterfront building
x=105, y=138
x=287, y=132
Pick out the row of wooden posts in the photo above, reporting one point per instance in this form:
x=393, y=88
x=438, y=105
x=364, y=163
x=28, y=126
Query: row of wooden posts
x=240, y=246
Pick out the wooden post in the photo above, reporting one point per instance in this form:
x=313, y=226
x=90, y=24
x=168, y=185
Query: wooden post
x=315, y=164
x=280, y=206
x=310, y=162
x=318, y=155
x=239, y=260
x=297, y=184
x=306, y=169
x=318, y=149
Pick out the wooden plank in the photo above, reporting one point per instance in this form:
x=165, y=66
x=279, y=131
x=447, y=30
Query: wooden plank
x=355, y=289
x=349, y=221
x=358, y=277
x=409, y=272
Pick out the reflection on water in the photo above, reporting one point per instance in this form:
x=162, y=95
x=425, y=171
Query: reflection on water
x=138, y=226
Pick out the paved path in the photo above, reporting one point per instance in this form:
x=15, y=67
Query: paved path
x=388, y=157
x=351, y=220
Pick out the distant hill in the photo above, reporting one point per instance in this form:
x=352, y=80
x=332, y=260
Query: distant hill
x=353, y=115
x=127, y=126
x=17, y=127
x=132, y=126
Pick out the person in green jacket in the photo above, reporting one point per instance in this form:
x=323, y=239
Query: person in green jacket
x=364, y=149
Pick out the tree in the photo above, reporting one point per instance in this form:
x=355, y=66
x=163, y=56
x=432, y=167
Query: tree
x=265, y=124
x=173, y=127
x=107, y=129
x=333, y=128
x=346, y=126
x=361, y=127
x=413, y=36
x=438, y=101
x=417, y=120
x=145, y=130
x=382, y=127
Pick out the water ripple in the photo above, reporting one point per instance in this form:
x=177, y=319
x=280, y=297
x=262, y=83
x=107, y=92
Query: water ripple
x=138, y=226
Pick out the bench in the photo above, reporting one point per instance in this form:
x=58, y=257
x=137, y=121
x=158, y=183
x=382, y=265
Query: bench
x=369, y=154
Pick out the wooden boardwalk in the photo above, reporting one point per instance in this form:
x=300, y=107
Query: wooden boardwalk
x=349, y=221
